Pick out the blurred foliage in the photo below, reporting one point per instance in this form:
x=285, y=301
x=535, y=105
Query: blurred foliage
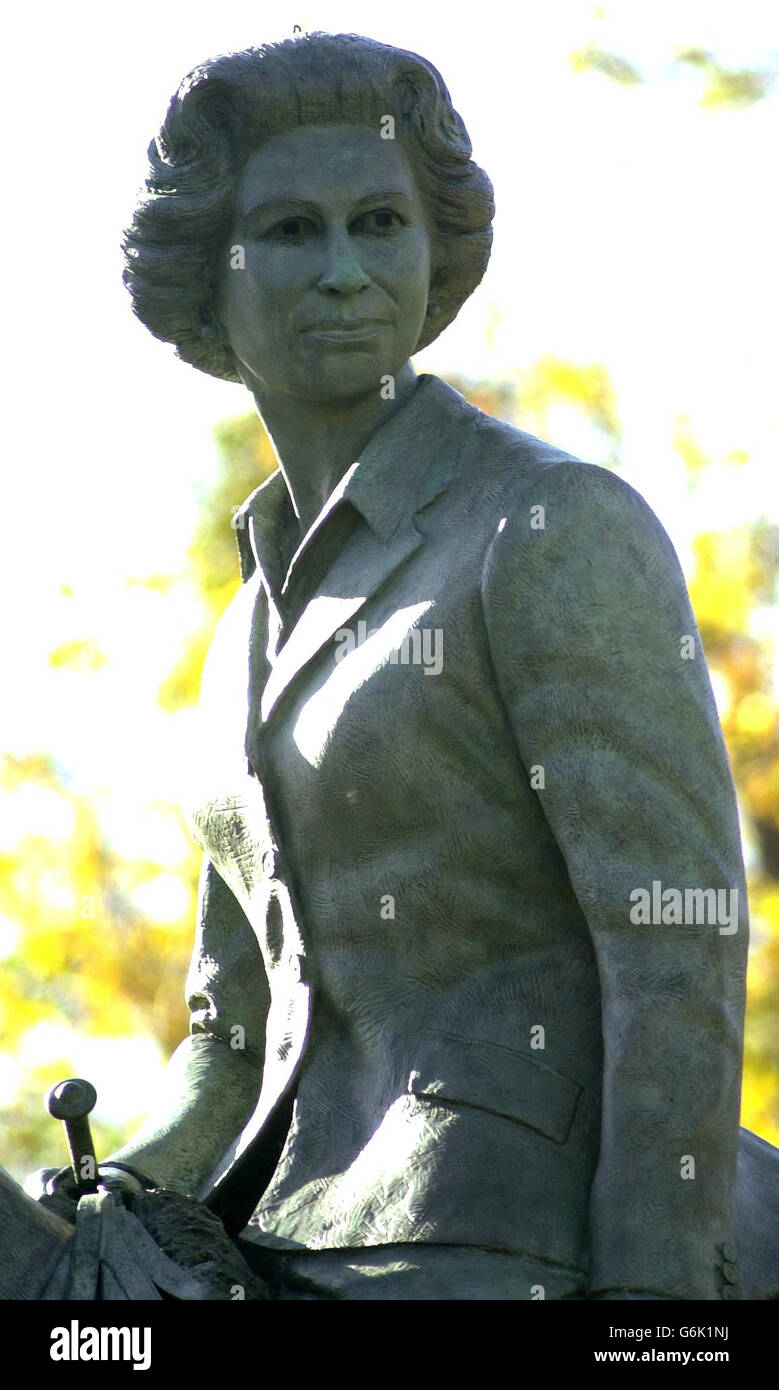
x=720, y=86
x=81, y=955
x=735, y=578
x=591, y=58
x=78, y=656
x=727, y=86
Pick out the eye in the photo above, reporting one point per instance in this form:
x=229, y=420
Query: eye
x=290, y=228
x=379, y=220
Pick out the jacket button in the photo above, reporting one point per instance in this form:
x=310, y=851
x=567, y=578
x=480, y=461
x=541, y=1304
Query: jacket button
x=727, y=1291
x=730, y=1271
x=269, y=863
x=728, y=1251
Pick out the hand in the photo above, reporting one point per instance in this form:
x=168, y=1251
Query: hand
x=36, y=1184
x=56, y=1187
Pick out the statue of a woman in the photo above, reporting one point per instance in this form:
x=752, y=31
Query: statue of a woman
x=467, y=995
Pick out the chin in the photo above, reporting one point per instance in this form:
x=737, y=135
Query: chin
x=347, y=380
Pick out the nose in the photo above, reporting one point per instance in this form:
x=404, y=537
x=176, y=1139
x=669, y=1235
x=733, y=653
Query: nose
x=342, y=270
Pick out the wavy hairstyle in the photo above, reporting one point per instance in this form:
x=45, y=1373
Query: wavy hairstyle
x=226, y=107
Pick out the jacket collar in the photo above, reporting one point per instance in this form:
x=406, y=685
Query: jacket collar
x=404, y=465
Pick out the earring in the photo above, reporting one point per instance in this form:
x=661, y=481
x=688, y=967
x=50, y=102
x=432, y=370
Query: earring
x=208, y=327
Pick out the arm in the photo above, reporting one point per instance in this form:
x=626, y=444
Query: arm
x=210, y=1085
x=585, y=621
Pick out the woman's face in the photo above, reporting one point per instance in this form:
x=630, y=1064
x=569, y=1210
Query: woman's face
x=336, y=264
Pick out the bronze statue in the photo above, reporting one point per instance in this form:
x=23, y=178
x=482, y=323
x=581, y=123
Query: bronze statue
x=459, y=743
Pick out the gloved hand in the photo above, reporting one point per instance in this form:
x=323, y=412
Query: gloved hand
x=56, y=1188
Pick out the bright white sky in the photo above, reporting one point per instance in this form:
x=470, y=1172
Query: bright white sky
x=633, y=228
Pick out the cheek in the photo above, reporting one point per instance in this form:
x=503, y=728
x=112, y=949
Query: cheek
x=411, y=267
x=271, y=282
x=247, y=286
x=412, y=273
x=251, y=306
x=419, y=264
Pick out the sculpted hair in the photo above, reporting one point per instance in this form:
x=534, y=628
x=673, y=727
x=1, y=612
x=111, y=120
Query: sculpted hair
x=226, y=107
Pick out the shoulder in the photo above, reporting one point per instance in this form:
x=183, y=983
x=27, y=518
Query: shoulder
x=578, y=546
x=540, y=513
x=563, y=512
x=521, y=473
x=494, y=447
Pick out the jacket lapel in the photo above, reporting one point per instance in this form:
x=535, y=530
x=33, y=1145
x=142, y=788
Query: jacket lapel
x=406, y=464
x=404, y=467
x=358, y=573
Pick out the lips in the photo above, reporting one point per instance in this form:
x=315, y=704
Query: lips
x=345, y=331
x=344, y=325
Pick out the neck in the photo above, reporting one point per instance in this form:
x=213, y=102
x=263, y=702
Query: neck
x=315, y=443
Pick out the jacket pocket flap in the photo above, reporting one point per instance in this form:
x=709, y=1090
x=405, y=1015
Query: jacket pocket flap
x=497, y=1079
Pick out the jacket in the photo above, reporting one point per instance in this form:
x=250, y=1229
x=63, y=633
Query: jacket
x=442, y=813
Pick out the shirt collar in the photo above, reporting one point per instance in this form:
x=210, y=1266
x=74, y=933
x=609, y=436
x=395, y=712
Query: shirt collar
x=405, y=463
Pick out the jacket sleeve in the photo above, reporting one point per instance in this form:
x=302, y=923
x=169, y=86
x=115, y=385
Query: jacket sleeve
x=600, y=665
x=212, y=1081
